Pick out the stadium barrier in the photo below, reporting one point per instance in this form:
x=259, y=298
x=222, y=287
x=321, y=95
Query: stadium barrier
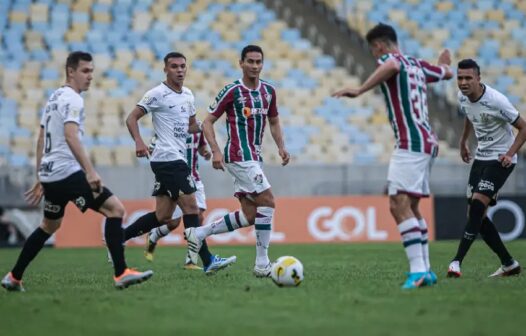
x=507, y=214
x=297, y=220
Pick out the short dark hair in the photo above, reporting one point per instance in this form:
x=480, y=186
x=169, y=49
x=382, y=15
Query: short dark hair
x=382, y=32
x=74, y=59
x=251, y=48
x=173, y=54
x=469, y=63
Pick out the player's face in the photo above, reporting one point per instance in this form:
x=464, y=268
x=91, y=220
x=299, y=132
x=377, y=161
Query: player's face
x=378, y=48
x=175, y=69
x=468, y=81
x=82, y=75
x=252, y=65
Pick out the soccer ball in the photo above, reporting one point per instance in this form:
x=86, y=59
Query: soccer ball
x=287, y=272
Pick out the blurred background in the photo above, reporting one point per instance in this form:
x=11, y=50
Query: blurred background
x=312, y=48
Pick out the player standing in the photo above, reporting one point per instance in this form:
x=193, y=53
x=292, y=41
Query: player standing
x=195, y=145
x=490, y=114
x=65, y=173
x=404, y=81
x=172, y=108
x=248, y=103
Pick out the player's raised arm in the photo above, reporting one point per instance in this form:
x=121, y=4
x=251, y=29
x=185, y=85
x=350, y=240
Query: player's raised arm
x=71, y=133
x=277, y=135
x=210, y=135
x=385, y=71
x=132, y=122
x=465, y=153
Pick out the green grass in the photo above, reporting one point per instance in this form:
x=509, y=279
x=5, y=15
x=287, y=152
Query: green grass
x=348, y=289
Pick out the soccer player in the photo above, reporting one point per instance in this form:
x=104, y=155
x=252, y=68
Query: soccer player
x=196, y=145
x=403, y=80
x=490, y=114
x=172, y=108
x=65, y=173
x=248, y=103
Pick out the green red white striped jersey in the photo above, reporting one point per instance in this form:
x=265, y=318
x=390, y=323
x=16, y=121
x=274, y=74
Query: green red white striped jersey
x=246, y=114
x=406, y=99
x=193, y=143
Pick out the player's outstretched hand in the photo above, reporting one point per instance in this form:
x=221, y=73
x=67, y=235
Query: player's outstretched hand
x=141, y=150
x=34, y=195
x=347, y=92
x=465, y=153
x=505, y=160
x=217, y=161
x=94, y=180
x=444, y=57
x=285, y=156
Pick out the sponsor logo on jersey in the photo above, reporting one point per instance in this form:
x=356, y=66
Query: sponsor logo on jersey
x=486, y=185
x=268, y=97
x=247, y=111
x=505, y=116
x=149, y=100
x=485, y=138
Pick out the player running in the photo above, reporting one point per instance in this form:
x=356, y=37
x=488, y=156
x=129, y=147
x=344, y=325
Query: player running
x=65, y=173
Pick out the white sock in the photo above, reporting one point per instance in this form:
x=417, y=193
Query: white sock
x=263, y=224
x=425, y=244
x=158, y=233
x=229, y=222
x=412, y=240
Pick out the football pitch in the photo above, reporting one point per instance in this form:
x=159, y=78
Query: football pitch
x=349, y=289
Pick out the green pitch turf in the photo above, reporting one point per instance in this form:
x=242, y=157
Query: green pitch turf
x=349, y=289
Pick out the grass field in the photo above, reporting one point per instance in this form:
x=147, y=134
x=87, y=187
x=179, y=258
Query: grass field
x=349, y=289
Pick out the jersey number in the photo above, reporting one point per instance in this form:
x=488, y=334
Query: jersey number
x=47, y=142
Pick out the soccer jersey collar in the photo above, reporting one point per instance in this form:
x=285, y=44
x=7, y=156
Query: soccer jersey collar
x=249, y=89
x=171, y=88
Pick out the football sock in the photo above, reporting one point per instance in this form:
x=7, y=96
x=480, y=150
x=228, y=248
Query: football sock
x=425, y=244
x=142, y=225
x=263, y=226
x=204, y=253
x=229, y=222
x=158, y=233
x=491, y=236
x=114, y=235
x=412, y=240
x=476, y=212
x=32, y=246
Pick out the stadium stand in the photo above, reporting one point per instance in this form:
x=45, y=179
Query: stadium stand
x=128, y=39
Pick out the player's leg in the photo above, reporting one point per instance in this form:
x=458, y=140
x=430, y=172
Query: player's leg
x=164, y=207
x=263, y=227
x=489, y=233
x=34, y=243
x=406, y=175
x=112, y=208
x=162, y=231
x=415, y=202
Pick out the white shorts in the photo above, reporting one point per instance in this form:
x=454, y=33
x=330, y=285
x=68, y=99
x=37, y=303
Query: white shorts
x=248, y=178
x=200, y=197
x=409, y=173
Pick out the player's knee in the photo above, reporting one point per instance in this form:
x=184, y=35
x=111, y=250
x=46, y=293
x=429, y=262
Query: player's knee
x=50, y=226
x=266, y=199
x=173, y=223
x=118, y=211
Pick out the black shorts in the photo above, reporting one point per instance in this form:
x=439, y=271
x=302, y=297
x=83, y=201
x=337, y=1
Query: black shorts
x=74, y=188
x=172, y=178
x=487, y=177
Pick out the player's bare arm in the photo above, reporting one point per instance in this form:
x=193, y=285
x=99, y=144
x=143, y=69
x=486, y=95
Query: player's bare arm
x=465, y=153
x=444, y=60
x=34, y=195
x=132, y=122
x=380, y=75
x=520, y=125
x=210, y=136
x=277, y=135
x=71, y=131
x=193, y=125
x=204, y=152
